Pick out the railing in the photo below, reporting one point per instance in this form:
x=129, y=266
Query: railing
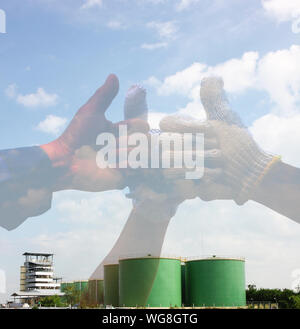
x=35, y=261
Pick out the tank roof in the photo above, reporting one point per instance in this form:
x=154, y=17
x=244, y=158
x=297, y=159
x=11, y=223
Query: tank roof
x=151, y=257
x=193, y=259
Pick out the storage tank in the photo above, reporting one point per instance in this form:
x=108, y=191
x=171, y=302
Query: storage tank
x=153, y=282
x=111, y=284
x=215, y=282
x=183, y=283
x=65, y=285
x=81, y=286
x=96, y=291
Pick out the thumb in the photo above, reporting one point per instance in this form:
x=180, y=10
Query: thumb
x=103, y=97
x=135, y=106
x=86, y=123
x=215, y=102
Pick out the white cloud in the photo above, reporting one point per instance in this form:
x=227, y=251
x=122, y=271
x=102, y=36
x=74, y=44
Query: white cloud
x=193, y=109
x=153, y=46
x=116, y=25
x=238, y=75
x=282, y=10
x=11, y=91
x=93, y=208
x=184, y=4
x=153, y=82
x=92, y=3
x=154, y=119
x=52, y=124
x=279, y=135
x=39, y=99
x=165, y=30
x=277, y=73
x=181, y=82
x=156, y=2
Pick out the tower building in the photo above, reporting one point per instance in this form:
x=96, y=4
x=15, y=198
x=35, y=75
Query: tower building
x=37, y=273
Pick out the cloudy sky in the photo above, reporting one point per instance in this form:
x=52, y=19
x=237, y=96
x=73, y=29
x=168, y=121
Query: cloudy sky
x=56, y=53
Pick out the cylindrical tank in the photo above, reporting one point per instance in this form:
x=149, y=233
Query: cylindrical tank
x=95, y=291
x=111, y=284
x=215, y=282
x=183, y=284
x=153, y=282
x=80, y=286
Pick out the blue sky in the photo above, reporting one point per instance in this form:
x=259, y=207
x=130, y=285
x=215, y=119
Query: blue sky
x=55, y=54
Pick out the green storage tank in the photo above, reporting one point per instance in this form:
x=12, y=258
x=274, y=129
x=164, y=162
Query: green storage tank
x=153, y=282
x=183, y=284
x=81, y=286
x=215, y=282
x=65, y=285
x=111, y=284
x=95, y=291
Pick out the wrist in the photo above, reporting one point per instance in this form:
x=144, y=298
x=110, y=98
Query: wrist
x=260, y=168
x=59, y=157
x=57, y=152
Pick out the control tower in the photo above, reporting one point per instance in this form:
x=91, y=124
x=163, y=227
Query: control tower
x=37, y=273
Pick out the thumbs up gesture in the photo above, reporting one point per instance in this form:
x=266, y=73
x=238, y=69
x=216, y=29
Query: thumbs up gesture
x=242, y=164
x=73, y=154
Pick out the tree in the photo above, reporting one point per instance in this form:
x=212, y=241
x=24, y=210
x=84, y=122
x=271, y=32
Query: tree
x=296, y=301
x=51, y=301
x=285, y=298
x=72, y=295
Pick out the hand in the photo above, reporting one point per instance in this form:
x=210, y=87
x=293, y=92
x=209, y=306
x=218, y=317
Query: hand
x=73, y=154
x=241, y=162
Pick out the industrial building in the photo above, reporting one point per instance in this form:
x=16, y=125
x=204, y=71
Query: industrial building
x=37, y=278
x=37, y=273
